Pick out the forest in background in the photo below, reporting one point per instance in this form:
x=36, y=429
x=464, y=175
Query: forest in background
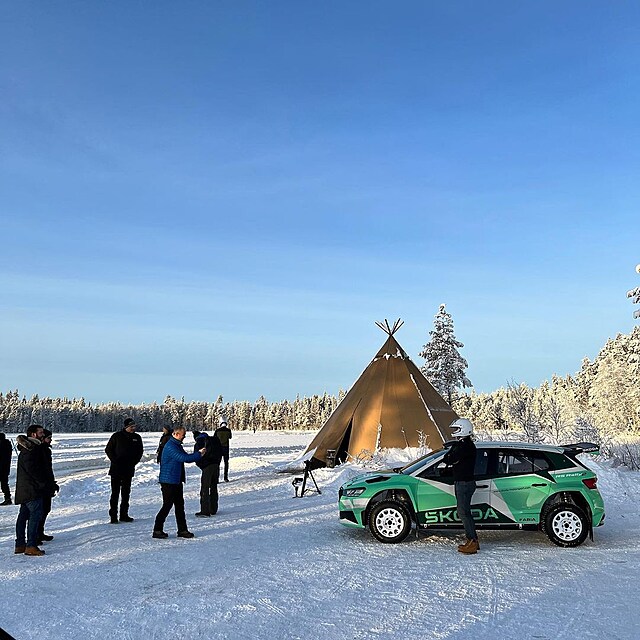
x=600, y=403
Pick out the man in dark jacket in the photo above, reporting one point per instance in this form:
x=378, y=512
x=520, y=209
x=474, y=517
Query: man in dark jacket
x=172, y=476
x=31, y=482
x=462, y=457
x=210, y=465
x=5, y=467
x=223, y=433
x=125, y=450
x=51, y=489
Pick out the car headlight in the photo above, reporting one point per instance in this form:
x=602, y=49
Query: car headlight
x=354, y=493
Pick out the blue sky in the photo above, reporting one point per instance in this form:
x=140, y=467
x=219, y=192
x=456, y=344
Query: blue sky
x=221, y=198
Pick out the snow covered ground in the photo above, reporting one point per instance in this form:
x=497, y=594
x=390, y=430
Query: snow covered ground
x=275, y=567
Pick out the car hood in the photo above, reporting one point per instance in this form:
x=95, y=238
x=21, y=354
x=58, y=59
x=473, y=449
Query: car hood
x=372, y=476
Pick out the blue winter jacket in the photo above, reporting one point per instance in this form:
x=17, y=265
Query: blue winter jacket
x=172, y=462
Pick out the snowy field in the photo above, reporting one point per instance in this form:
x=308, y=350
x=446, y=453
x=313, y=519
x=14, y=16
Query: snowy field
x=275, y=567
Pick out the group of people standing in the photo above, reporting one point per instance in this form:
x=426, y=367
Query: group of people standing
x=124, y=450
x=36, y=484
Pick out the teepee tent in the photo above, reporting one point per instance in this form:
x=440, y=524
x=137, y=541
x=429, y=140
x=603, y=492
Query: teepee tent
x=390, y=405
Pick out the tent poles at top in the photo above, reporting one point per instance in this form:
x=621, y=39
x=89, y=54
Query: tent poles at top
x=388, y=329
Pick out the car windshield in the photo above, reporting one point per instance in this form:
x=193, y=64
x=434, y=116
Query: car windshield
x=420, y=462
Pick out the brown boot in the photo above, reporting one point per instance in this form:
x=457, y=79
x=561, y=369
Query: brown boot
x=20, y=549
x=33, y=551
x=471, y=546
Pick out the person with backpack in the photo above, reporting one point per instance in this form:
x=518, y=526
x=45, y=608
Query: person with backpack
x=210, y=466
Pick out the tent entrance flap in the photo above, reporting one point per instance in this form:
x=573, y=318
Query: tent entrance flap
x=343, y=449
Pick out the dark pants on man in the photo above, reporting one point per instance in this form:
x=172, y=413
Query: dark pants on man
x=4, y=486
x=172, y=496
x=46, y=510
x=464, y=493
x=209, y=490
x=119, y=486
x=225, y=457
x=30, y=512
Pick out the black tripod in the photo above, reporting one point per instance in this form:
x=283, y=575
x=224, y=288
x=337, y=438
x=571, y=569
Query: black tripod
x=300, y=484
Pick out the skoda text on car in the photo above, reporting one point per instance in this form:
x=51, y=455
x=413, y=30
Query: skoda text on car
x=518, y=486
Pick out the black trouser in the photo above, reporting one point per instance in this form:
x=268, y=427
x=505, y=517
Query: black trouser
x=171, y=497
x=46, y=510
x=225, y=456
x=464, y=493
x=4, y=486
x=119, y=486
x=209, y=489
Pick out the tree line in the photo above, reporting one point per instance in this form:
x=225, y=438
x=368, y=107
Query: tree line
x=64, y=415
x=601, y=403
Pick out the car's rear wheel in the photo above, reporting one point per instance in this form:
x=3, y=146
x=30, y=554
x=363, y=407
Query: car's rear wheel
x=566, y=524
x=390, y=521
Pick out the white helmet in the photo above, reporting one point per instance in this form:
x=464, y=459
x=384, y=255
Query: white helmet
x=461, y=428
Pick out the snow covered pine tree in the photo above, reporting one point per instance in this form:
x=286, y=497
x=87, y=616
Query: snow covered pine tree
x=444, y=367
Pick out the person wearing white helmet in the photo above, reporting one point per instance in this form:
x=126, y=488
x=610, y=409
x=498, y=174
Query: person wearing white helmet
x=223, y=434
x=462, y=457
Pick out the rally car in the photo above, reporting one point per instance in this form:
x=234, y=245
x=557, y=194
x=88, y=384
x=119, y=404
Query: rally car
x=518, y=486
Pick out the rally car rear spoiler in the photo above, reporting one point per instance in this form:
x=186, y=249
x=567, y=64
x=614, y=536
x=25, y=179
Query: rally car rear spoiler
x=580, y=447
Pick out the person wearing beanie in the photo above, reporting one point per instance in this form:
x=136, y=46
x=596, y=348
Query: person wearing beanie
x=210, y=466
x=223, y=433
x=51, y=489
x=5, y=467
x=124, y=450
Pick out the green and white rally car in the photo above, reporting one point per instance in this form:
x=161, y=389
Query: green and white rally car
x=518, y=486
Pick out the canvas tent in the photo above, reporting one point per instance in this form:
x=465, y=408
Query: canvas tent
x=390, y=405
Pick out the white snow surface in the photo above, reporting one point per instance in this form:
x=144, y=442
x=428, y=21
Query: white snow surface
x=277, y=567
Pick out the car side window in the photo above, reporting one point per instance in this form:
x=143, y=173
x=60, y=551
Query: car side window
x=482, y=463
x=440, y=470
x=511, y=463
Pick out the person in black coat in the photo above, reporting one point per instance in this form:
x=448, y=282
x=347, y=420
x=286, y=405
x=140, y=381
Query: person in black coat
x=210, y=465
x=166, y=434
x=124, y=450
x=31, y=484
x=223, y=433
x=5, y=467
x=51, y=489
x=462, y=457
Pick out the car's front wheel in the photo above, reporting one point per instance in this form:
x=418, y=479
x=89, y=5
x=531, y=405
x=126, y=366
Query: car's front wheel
x=390, y=521
x=566, y=524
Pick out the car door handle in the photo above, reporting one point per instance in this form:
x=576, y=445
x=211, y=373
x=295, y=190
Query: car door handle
x=482, y=486
x=540, y=484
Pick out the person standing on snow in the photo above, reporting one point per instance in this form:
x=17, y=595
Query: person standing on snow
x=166, y=434
x=171, y=478
x=31, y=484
x=5, y=467
x=223, y=433
x=50, y=490
x=210, y=465
x=462, y=457
x=124, y=450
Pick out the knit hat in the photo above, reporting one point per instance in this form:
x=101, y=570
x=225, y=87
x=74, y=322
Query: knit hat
x=128, y=422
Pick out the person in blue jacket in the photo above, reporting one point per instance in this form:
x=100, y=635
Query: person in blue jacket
x=171, y=478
